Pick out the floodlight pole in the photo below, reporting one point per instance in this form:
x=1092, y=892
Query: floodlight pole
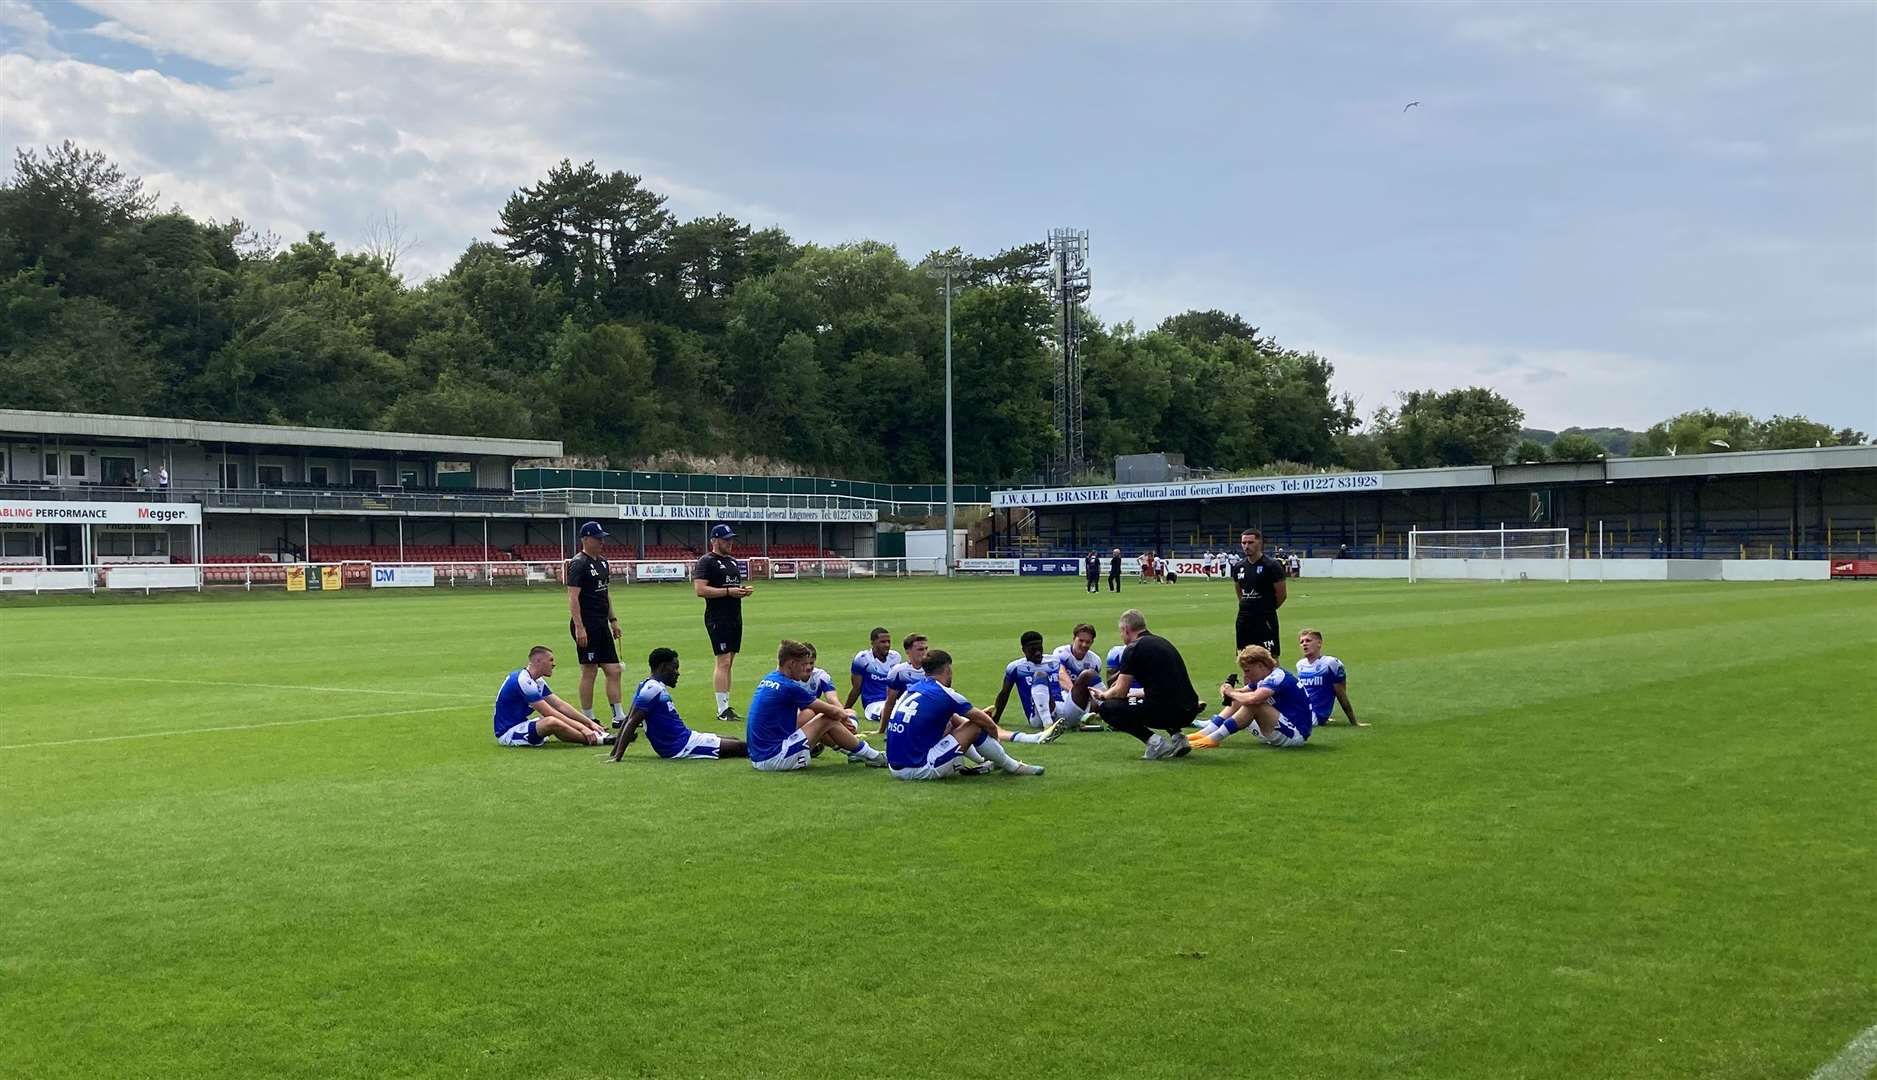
x=951, y=506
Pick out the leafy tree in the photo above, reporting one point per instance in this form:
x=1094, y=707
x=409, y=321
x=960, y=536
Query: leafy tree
x=1210, y=326
x=1698, y=431
x=598, y=236
x=1472, y=426
x=601, y=379
x=1793, y=432
x=1575, y=446
x=1530, y=450
x=61, y=212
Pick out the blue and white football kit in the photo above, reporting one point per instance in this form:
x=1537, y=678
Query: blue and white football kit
x=776, y=743
x=514, y=709
x=873, y=672
x=1294, y=718
x=1037, y=689
x=1319, y=679
x=820, y=682
x=918, y=745
x=669, y=736
x=1135, y=691
x=1063, y=659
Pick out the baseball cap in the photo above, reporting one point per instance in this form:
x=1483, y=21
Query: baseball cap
x=593, y=528
x=722, y=532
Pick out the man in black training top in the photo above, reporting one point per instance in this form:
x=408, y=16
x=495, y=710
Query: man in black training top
x=594, y=627
x=1114, y=571
x=1091, y=568
x=1259, y=581
x=719, y=580
x=1168, y=701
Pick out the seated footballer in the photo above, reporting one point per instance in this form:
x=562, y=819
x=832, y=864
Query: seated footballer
x=652, y=708
x=788, y=719
x=527, y=712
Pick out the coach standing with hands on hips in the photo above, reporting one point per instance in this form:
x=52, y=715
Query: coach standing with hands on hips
x=1259, y=582
x=719, y=580
x=594, y=626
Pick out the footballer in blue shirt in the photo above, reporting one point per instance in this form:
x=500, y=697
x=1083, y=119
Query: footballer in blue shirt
x=527, y=712
x=822, y=684
x=1033, y=677
x=787, y=719
x=933, y=729
x=1078, y=671
x=867, y=674
x=902, y=675
x=1324, y=679
x=653, y=710
x=1272, y=703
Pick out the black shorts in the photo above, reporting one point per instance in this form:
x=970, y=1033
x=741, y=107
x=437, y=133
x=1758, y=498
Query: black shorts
x=726, y=636
x=1254, y=628
x=601, y=648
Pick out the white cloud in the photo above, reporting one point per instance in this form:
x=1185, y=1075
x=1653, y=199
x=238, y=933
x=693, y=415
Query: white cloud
x=29, y=29
x=1608, y=211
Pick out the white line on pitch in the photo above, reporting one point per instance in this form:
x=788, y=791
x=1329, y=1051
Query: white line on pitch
x=229, y=727
x=1854, y=1061
x=244, y=685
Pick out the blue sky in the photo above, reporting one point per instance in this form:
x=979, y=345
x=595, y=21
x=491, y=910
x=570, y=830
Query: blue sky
x=1609, y=213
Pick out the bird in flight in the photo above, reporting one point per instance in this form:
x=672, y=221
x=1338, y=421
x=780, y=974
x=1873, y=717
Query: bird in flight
x=1409, y=105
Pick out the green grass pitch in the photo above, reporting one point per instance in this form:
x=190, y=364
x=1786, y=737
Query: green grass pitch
x=1596, y=830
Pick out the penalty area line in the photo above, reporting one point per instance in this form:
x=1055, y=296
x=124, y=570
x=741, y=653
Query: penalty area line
x=229, y=727
x=1854, y=1062
x=240, y=685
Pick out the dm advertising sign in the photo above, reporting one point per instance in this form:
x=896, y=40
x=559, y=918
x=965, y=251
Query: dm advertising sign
x=1050, y=567
x=403, y=577
x=99, y=513
x=1196, y=489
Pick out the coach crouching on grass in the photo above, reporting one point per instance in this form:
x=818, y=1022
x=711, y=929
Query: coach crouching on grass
x=1168, y=702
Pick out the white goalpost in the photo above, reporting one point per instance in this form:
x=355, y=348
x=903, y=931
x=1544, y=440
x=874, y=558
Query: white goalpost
x=1500, y=554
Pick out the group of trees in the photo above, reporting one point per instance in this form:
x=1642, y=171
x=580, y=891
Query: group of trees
x=598, y=318
x=1699, y=431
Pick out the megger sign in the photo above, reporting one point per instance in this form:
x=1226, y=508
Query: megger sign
x=1201, y=489
x=99, y=513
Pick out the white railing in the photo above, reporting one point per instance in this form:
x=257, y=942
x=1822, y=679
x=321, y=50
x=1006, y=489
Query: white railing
x=368, y=574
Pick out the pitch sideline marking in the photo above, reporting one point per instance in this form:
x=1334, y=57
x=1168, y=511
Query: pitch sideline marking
x=246, y=685
x=228, y=727
x=1854, y=1061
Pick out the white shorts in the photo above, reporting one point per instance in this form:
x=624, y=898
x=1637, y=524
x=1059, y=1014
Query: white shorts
x=701, y=744
x=1068, y=710
x=940, y=762
x=872, y=710
x=522, y=734
x=1285, y=734
x=792, y=756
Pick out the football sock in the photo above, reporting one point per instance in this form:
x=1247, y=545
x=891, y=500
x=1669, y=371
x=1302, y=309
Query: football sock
x=863, y=752
x=1026, y=737
x=590, y=716
x=994, y=750
x=723, y=702
x=619, y=711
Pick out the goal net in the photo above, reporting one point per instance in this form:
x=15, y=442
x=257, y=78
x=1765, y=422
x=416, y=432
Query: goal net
x=1490, y=554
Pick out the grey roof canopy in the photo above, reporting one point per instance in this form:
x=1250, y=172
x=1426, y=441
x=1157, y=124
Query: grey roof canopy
x=99, y=425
